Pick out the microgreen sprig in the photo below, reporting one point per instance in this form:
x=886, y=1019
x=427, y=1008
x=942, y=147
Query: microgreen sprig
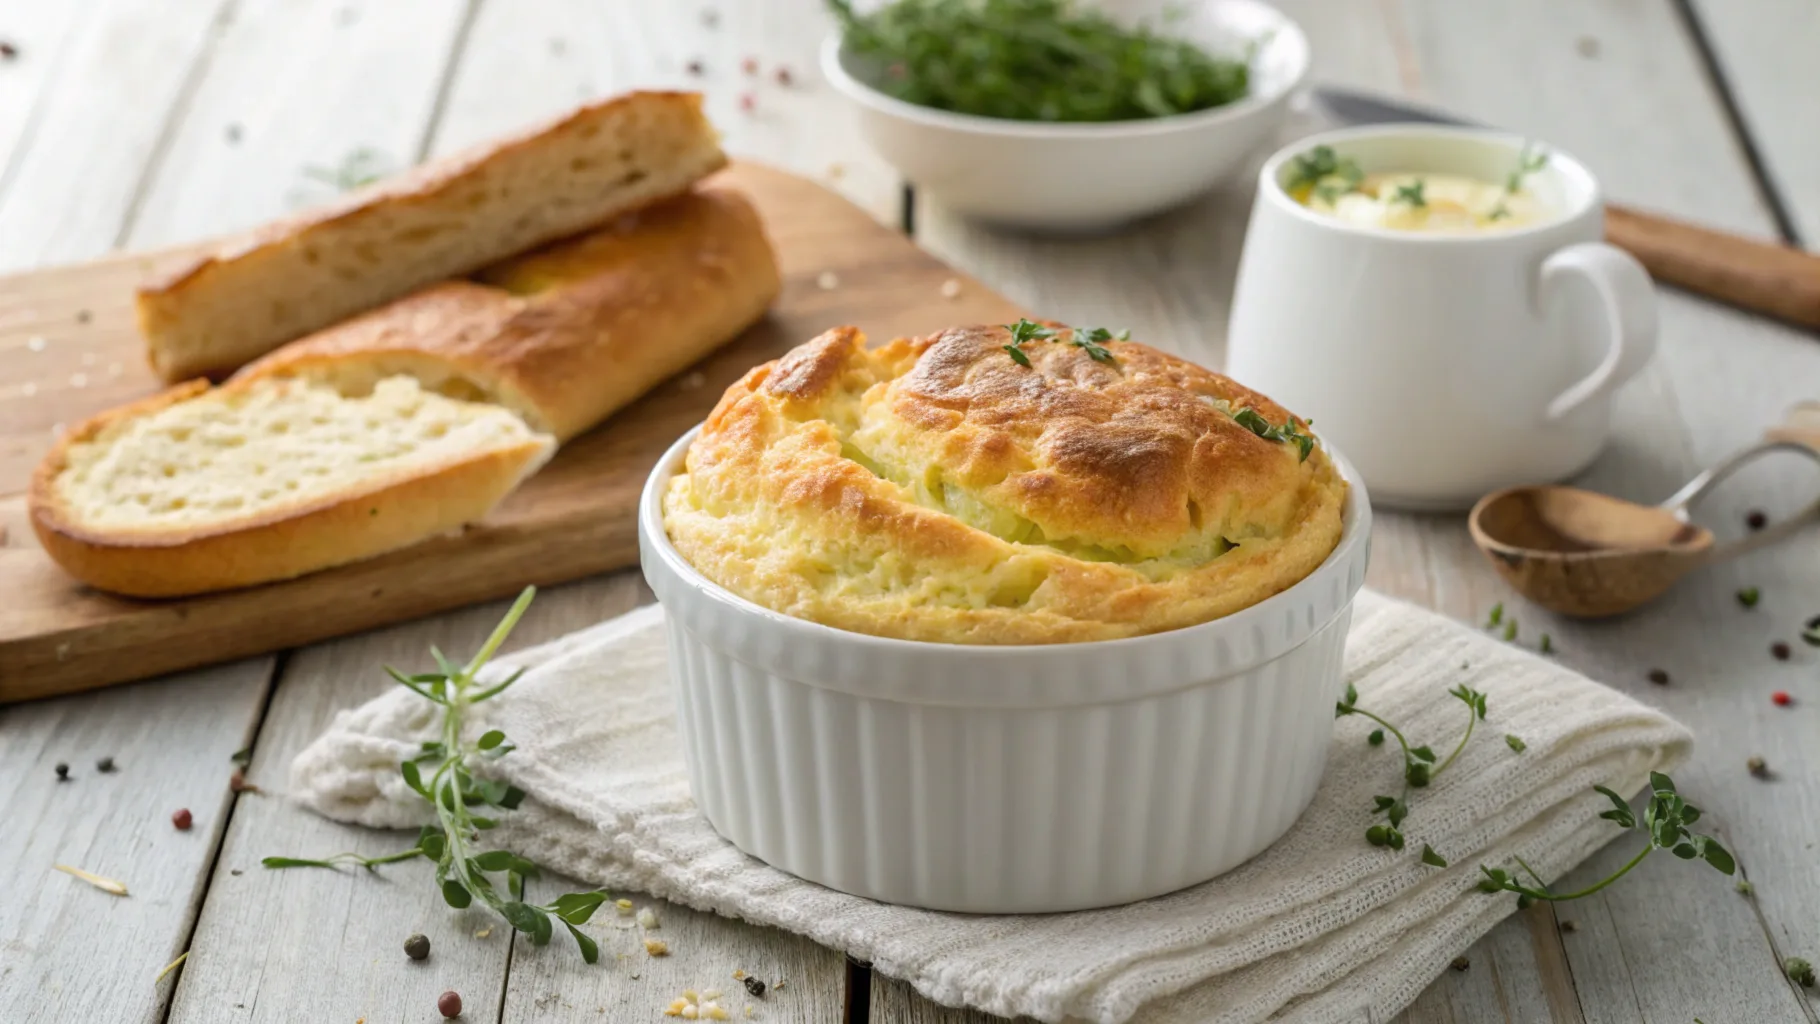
x=451, y=788
x=1415, y=193
x=1665, y=821
x=1529, y=162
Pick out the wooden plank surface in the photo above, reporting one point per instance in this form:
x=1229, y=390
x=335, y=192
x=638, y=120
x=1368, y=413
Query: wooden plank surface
x=574, y=518
x=1640, y=112
x=1765, y=51
x=602, y=47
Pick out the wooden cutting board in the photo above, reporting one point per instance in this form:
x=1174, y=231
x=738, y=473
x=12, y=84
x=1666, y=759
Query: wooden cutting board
x=68, y=349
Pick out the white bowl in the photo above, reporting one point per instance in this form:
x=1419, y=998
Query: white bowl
x=1004, y=779
x=1091, y=176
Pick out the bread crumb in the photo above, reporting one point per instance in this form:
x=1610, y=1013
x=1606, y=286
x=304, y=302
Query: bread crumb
x=36, y=344
x=693, y=381
x=710, y=995
x=78, y=380
x=484, y=932
x=624, y=907
x=828, y=281
x=657, y=947
x=28, y=389
x=90, y=359
x=836, y=171
x=647, y=919
x=739, y=975
x=951, y=288
x=714, y=1011
x=690, y=1013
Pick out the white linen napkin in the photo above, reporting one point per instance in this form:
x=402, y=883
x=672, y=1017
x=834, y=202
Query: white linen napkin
x=1320, y=928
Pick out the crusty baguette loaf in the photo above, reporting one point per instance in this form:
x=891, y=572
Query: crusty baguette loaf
x=566, y=335
x=443, y=219
x=201, y=489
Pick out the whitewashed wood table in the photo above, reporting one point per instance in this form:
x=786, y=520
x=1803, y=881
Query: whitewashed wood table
x=136, y=123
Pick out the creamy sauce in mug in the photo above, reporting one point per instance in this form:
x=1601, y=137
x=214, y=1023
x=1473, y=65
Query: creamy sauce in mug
x=1417, y=201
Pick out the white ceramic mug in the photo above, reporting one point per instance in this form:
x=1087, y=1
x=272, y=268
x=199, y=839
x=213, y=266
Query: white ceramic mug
x=1445, y=365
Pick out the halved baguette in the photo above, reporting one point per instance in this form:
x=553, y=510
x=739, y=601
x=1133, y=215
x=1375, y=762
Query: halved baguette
x=201, y=489
x=443, y=219
x=569, y=334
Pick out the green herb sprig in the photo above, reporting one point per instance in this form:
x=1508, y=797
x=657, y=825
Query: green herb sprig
x=1033, y=60
x=1666, y=818
x=1419, y=764
x=1530, y=161
x=1415, y=194
x=1325, y=174
x=1289, y=432
x=1089, y=339
x=451, y=788
x=361, y=166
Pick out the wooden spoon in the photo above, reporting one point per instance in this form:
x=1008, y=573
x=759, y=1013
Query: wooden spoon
x=1581, y=553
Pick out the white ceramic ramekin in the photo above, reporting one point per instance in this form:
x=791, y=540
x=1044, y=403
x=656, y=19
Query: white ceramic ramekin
x=1082, y=177
x=1004, y=779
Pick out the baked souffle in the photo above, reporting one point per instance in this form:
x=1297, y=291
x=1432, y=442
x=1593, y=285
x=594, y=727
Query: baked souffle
x=1021, y=484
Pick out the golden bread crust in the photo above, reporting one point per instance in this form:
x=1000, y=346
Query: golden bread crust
x=568, y=334
x=934, y=489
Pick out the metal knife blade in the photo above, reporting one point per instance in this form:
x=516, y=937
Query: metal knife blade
x=1354, y=107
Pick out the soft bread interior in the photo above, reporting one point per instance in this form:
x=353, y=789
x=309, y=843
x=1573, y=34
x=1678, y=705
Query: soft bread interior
x=270, y=447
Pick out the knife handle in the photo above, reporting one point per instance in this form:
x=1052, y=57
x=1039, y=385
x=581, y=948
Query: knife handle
x=1763, y=277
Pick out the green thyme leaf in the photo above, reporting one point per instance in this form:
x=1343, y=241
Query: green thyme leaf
x=1515, y=743
x=1431, y=858
x=1497, y=616
x=1749, y=596
x=1414, y=193
x=1376, y=738
x=1017, y=355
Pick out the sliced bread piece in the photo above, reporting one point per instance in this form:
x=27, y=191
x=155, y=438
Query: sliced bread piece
x=566, y=335
x=443, y=219
x=201, y=489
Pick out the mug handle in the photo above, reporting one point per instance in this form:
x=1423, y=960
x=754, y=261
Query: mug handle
x=1629, y=300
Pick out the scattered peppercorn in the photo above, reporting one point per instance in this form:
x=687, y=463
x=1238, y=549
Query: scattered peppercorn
x=238, y=783
x=105, y=765
x=1799, y=971
x=1460, y=963
x=1749, y=596
x=1659, y=677
x=1758, y=767
x=1569, y=925
x=748, y=102
x=83, y=316
x=449, y=1004
x=754, y=986
x=232, y=132
x=695, y=68
x=1779, y=651
x=8, y=50
x=710, y=17
x=417, y=947
x=63, y=772
x=182, y=818
x=1782, y=698
x=1756, y=520
x=749, y=65
x=783, y=76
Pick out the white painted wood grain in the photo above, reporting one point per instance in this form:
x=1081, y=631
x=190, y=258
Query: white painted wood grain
x=1766, y=49
x=310, y=944
x=533, y=58
x=294, y=85
x=37, y=33
x=70, y=952
x=1641, y=113
x=119, y=81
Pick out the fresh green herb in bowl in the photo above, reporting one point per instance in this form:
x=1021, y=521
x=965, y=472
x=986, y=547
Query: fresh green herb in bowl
x=1035, y=60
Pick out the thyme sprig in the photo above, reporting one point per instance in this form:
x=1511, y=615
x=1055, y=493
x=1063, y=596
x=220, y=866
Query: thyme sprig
x=1289, y=432
x=1415, y=193
x=1531, y=160
x=451, y=788
x=1666, y=818
x=1419, y=765
x=1088, y=339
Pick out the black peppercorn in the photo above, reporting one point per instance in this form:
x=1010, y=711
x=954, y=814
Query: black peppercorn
x=1460, y=963
x=104, y=765
x=1659, y=677
x=1758, y=767
x=1779, y=651
x=417, y=947
x=1756, y=520
x=755, y=986
x=63, y=772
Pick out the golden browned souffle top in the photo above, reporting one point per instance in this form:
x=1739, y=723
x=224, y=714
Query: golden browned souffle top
x=938, y=489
